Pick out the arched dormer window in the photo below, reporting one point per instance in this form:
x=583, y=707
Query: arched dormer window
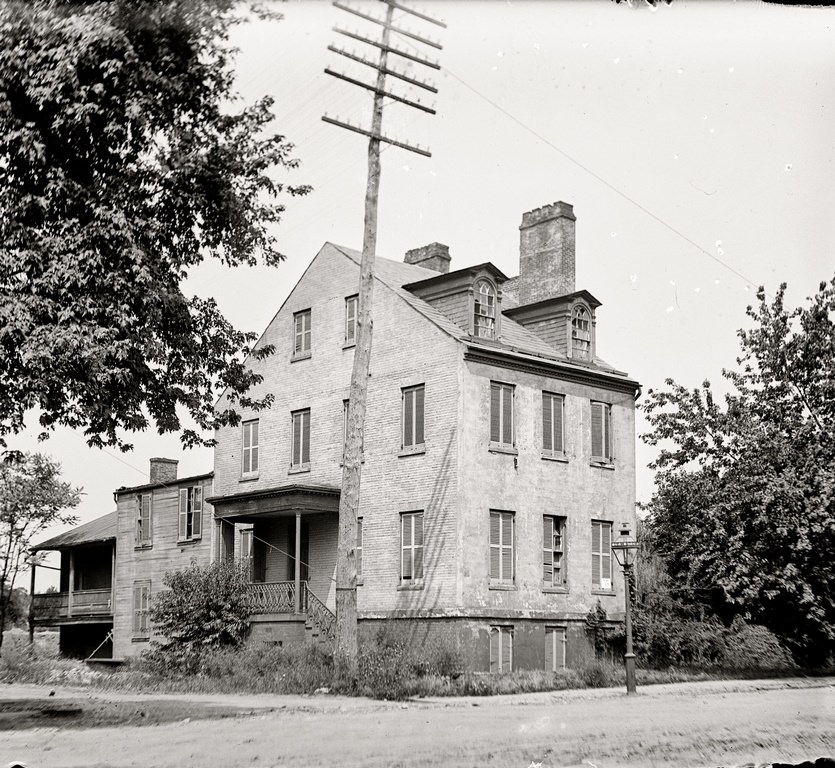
x=581, y=333
x=484, y=317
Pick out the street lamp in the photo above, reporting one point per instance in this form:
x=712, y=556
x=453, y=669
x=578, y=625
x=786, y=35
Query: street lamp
x=625, y=549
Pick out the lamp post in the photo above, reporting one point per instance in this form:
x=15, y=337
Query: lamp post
x=625, y=549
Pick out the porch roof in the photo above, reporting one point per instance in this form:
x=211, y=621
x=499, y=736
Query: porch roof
x=290, y=498
x=99, y=530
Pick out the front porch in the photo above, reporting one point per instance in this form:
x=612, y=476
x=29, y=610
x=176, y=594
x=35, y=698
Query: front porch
x=281, y=600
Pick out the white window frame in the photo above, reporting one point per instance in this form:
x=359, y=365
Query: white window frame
x=302, y=333
x=352, y=305
x=297, y=423
x=581, y=333
x=143, y=534
x=604, y=439
x=411, y=523
x=554, y=551
x=498, y=548
x=141, y=624
x=504, y=642
x=250, y=430
x=556, y=642
x=502, y=394
x=412, y=412
x=190, y=517
x=553, y=434
x=485, y=302
x=602, y=555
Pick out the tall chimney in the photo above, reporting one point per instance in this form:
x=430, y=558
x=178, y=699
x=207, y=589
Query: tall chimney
x=163, y=470
x=546, y=253
x=433, y=256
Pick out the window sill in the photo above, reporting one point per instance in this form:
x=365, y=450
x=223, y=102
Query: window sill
x=349, y=345
x=410, y=587
x=503, y=587
x=598, y=591
x=555, y=590
x=499, y=448
x=248, y=478
x=301, y=469
x=360, y=582
x=146, y=545
x=560, y=457
x=300, y=356
x=140, y=639
x=602, y=464
x=413, y=450
x=187, y=542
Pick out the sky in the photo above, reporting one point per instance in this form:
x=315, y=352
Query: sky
x=695, y=141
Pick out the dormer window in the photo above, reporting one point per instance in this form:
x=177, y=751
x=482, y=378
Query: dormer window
x=581, y=333
x=484, y=318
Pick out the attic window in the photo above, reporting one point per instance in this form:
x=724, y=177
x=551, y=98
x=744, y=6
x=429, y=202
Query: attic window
x=484, y=317
x=581, y=333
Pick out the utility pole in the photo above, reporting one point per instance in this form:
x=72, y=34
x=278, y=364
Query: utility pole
x=346, y=567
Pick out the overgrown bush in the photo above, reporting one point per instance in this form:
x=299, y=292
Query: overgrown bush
x=753, y=647
x=205, y=606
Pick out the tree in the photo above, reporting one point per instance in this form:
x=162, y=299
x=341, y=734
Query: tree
x=744, y=507
x=32, y=498
x=122, y=166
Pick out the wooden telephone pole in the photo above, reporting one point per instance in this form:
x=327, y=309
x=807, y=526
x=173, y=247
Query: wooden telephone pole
x=346, y=567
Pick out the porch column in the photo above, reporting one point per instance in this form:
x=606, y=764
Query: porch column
x=297, y=598
x=71, y=584
x=32, y=604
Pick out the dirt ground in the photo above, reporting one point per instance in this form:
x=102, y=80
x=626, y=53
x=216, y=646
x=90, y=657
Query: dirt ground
x=685, y=724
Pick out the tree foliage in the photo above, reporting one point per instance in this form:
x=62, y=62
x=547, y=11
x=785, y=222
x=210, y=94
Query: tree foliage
x=744, y=508
x=32, y=498
x=123, y=164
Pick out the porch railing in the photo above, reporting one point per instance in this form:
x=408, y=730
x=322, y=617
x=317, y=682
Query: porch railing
x=320, y=615
x=275, y=597
x=85, y=602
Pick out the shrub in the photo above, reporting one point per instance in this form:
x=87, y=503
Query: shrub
x=753, y=647
x=596, y=674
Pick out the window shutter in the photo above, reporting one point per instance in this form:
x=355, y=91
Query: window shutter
x=359, y=548
x=606, y=551
x=406, y=535
x=597, y=429
x=547, y=551
x=547, y=423
x=507, y=649
x=607, y=431
x=550, y=649
x=306, y=437
x=507, y=548
x=408, y=421
x=197, y=509
x=297, y=436
x=138, y=531
x=350, y=318
x=507, y=416
x=495, y=524
x=146, y=517
x=298, y=334
x=419, y=398
x=495, y=413
x=557, y=407
x=182, y=529
x=137, y=609
x=494, y=649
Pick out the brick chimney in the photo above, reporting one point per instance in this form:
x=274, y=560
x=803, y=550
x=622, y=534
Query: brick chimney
x=546, y=253
x=163, y=470
x=433, y=256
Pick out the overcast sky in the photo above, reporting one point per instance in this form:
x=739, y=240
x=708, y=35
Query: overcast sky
x=696, y=143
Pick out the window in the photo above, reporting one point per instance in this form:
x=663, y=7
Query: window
x=351, y=306
x=412, y=431
x=555, y=642
x=501, y=649
x=553, y=551
x=581, y=333
x=246, y=545
x=358, y=549
x=601, y=432
x=300, y=449
x=249, y=451
x=501, y=414
x=484, y=316
x=141, y=602
x=501, y=548
x=301, y=321
x=190, y=526
x=143, y=520
x=552, y=429
x=411, y=547
x=601, y=555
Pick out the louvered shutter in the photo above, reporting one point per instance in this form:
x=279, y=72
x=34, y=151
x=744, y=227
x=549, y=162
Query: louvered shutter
x=299, y=332
x=507, y=547
x=550, y=649
x=495, y=559
x=507, y=649
x=595, y=554
x=557, y=408
x=297, y=436
x=495, y=640
x=359, y=548
x=408, y=421
x=607, y=431
x=307, y=329
x=419, y=398
x=606, y=554
x=547, y=551
x=182, y=528
x=138, y=531
x=350, y=319
x=418, y=546
x=406, y=536
x=597, y=430
x=306, y=437
x=507, y=416
x=197, y=511
x=146, y=517
x=495, y=413
x=547, y=423
x=137, y=609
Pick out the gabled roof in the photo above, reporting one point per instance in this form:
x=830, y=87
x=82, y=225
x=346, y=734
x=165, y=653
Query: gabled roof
x=99, y=530
x=515, y=338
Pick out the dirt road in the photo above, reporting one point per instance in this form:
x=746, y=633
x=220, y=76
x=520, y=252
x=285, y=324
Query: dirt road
x=688, y=724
